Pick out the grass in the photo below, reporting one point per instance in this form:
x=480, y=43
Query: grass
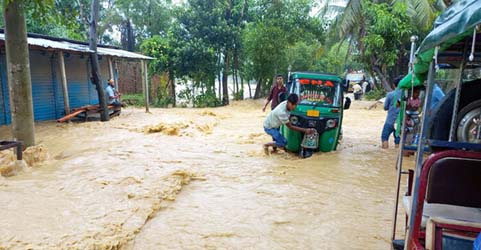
x=136, y=100
x=375, y=94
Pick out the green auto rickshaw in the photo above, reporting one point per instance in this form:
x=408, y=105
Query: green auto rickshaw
x=320, y=107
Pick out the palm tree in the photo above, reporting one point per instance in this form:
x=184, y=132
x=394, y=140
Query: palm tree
x=423, y=12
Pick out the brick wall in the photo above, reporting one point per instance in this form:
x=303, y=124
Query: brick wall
x=129, y=78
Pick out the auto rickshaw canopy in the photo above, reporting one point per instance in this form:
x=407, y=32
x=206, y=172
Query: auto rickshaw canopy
x=449, y=32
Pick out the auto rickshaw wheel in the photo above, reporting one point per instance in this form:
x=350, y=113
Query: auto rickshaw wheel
x=469, y=123
x=440, y=122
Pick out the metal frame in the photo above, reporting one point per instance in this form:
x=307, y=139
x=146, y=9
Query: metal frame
x=452, y=129
x=399, y=160
x=13, y=144
x=412, y=229
x=419, y=194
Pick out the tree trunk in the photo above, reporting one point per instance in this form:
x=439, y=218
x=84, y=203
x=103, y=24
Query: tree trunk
x=257, y=93
x=18, y=72
x=250, y=90
x=171, y=87
x=236, y=70
x=131, y=43
x=219, y=78
x=225, y=75
x=127, y=38
x=104, y=115
x=242, y=87
x=384, y=80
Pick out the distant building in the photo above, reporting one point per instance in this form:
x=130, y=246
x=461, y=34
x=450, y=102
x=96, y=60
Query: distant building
x=47, y=87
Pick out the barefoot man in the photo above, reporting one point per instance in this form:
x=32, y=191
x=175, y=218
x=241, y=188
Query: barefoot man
x=279, y=116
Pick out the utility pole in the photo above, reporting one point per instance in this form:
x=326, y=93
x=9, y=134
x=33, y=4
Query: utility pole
x=94, y=61
x=18, y=72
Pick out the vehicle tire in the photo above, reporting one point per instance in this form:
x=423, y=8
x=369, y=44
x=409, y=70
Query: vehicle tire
x=440, y=122
x=469, y=122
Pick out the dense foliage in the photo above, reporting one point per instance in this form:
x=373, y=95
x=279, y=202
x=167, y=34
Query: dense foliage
x=210, y=49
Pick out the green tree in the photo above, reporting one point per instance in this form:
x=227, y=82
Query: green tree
x=210, y=26
x=265, y=46
x=165, y=58
x=275, y=27
x=137, y=20
x=387, y=31
x=359, y=23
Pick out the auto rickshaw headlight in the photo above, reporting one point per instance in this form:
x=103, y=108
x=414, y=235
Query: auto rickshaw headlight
x=294, y=120
x=331, y=123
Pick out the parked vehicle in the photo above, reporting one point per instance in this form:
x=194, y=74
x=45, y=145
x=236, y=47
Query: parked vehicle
x=320, y=106
x=353, y=79
x=443, y=199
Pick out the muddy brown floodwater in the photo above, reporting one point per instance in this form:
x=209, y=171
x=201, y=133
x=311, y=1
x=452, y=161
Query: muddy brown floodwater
x=197, y=179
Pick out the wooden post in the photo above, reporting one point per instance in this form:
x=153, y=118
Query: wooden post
x=116, y=76
x=18, y=73
x=66, y=102
x=145, y=83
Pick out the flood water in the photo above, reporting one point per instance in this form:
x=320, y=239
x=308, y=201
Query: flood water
x=198, y=179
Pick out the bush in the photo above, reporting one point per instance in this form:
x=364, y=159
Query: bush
x=375, y=94
x=163, y=102
x=239, y=95
x=136, y=100
x=208, y=99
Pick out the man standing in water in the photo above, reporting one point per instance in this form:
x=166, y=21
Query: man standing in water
x=277, y=93
x=279, y=116
x=392, y=108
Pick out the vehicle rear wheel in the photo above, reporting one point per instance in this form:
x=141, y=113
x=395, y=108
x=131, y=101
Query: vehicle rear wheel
x=440, y=122
x=469, y=123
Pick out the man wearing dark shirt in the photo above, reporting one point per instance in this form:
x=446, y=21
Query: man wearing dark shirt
x=277, y=94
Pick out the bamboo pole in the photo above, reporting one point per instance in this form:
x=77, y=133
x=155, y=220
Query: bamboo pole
x=146, y=85
x=66, y=102
x=111, y=73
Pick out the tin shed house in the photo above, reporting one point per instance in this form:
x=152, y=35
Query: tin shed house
x=54, y=79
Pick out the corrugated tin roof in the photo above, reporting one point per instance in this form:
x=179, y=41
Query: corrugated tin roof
x=79, y=47
x=55, y=44
x=121, y=53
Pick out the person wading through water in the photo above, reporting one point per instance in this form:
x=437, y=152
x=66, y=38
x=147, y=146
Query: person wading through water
x=278, y=117
x=277, y=94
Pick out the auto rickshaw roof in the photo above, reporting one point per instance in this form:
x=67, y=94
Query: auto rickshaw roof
x=452, y=32
x=317, y=76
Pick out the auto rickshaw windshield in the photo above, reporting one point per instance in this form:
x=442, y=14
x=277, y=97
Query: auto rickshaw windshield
x=316, y=92
x=448, y=77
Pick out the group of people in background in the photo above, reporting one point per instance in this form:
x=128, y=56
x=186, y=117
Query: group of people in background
x=361, y=88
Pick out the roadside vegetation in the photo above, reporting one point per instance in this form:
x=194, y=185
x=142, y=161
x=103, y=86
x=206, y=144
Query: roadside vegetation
x=198, y=44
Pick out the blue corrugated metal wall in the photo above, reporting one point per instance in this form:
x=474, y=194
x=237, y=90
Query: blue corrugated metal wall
x=4, y=106
x=77, y=80
x=57, y=86
x=43, y=86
